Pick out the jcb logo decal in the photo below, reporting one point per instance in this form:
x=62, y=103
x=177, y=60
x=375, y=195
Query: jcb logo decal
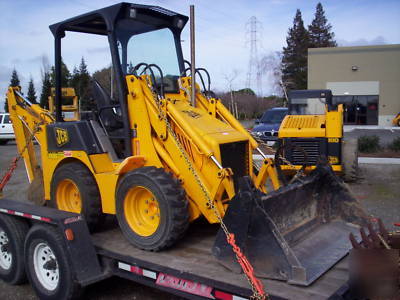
x=61, y=136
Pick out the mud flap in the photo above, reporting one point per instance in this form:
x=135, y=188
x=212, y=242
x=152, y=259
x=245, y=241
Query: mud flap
x=295, y=233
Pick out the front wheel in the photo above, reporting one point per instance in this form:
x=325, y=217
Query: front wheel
x=152, y=209
x=47, y=265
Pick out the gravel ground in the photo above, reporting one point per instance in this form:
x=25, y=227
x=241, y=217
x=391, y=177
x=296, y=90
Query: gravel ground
x=378, y=190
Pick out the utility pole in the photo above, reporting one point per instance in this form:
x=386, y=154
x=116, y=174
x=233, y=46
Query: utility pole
x=254, y=72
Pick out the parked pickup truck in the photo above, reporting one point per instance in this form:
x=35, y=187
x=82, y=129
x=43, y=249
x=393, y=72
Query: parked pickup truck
x=6, y=129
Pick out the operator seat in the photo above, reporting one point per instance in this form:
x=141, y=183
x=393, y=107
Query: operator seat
x=106, y=113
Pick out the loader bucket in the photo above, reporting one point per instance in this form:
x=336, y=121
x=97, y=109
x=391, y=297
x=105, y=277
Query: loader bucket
x=295, y=233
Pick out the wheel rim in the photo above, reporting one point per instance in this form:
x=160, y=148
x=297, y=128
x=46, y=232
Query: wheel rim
x=5, y=253
x=142, y=211
x=68, y=196
x=46, y=266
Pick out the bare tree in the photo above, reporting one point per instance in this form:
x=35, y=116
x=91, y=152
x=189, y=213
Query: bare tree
x=230, y=78
x=271, y=64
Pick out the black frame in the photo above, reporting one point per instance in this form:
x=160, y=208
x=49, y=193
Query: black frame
x=103, y=22
x=303, y=94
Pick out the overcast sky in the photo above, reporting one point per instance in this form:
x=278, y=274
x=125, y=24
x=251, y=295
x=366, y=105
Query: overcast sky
x=222, y=43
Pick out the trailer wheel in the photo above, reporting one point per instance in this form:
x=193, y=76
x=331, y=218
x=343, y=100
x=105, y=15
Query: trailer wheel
x=74, y=189
x=12, y=236
x=152, y=209
x=350, y=159
x=47, y=265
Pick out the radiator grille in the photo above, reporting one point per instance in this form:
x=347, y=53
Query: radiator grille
x=311, y=149
x=236, y=157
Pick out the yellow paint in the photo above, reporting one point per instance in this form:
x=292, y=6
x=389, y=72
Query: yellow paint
x=68, y=197
x=142, y=211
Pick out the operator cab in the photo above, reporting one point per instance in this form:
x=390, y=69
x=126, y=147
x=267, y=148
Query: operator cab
x=142, y=39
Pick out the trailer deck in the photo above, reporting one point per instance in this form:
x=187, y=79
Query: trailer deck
x=188, y=269
x=191, y=260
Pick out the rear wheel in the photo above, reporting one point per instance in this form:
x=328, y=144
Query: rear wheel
x=350, y=159
x=74, y=189
x=152, y=209
x=47, y=265
x=12, y=236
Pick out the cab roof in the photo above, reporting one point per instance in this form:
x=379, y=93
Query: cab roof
x=102, y=21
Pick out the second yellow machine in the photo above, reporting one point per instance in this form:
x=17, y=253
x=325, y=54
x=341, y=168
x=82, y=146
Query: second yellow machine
x=159, y=159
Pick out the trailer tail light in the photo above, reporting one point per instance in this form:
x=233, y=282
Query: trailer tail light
x=69, y=234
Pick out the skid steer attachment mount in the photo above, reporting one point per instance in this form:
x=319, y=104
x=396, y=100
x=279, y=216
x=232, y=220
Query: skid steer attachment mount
x=295, y=233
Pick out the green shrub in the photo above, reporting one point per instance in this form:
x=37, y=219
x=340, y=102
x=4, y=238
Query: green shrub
x=368, y=144
x=395, y=145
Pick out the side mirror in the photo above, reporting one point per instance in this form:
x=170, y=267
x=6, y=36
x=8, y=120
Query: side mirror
x=257, y=121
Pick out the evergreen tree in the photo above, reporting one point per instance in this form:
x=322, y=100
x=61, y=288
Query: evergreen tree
x=14, y=78
x=46, y=90
x=75, y=78
x=65, y=75
x=13, y=82
x=31, y=92
x=294, y=60
x=83, y=86
x=320, y=31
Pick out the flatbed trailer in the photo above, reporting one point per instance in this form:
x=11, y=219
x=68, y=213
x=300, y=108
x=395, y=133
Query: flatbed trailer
x=187, y=270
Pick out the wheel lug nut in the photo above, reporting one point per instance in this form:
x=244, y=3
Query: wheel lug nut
x=146, y=211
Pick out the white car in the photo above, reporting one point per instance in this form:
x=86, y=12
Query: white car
x=6, y=129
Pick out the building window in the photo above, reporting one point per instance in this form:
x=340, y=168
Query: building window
x=359, y=109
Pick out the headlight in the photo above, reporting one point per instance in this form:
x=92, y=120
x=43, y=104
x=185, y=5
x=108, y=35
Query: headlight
x=258, y=133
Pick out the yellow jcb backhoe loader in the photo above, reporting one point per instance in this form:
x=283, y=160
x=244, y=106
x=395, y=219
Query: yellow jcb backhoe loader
x=70, y=107
x=314, y=128
x=159, y=159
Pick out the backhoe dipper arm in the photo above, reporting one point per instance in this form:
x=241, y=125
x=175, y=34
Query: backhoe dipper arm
x=28, y=121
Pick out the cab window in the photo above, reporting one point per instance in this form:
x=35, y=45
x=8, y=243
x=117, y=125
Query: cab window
x=6, y=119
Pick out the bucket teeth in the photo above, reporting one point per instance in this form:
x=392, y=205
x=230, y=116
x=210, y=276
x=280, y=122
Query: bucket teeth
x=295, y=233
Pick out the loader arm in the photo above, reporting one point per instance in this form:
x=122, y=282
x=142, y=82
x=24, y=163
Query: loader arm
x=29, y=121
x=195, y=154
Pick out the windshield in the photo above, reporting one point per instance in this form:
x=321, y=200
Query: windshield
x=273, y=116
x=307, y=106
x=152, y=47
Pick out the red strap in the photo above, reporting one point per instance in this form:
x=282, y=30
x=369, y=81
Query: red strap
x=397, y=224
x=8, y=174
x=246, y=266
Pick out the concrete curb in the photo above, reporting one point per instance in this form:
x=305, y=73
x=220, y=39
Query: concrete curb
x=361, y=160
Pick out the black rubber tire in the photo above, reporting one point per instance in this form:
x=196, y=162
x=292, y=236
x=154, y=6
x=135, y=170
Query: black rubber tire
x=350, y=159
x=173, y=205
x=68, y=287
x=3, y=142
x=90, y=195
x=16, y=230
